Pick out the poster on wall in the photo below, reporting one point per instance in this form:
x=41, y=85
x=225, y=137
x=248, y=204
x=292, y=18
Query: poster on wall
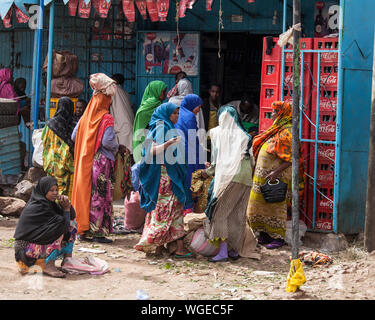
x=164, y=53
x=326, y=18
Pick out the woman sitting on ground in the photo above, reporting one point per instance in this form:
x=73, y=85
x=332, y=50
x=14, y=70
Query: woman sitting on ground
x=46, y=229
x=163, y=187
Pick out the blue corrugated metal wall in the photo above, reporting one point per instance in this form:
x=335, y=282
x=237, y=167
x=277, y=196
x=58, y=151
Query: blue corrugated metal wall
x=357, y=58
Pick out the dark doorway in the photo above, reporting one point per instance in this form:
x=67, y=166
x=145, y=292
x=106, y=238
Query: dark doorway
x=238, y=70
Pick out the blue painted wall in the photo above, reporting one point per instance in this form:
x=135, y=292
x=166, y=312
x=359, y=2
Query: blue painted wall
x=357, y=59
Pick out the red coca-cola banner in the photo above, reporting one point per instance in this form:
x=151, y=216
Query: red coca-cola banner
x=104, y=8
x=96, y=5
x=21, y=16
x=72, y=7
x=190, y=4
x=129, y=9
x=142, y=7
x=152, y=9
x=163, y=7
x=182, y=8
x=84, y=9
x=209, y=5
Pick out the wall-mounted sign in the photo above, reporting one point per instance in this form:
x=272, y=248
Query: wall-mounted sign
x=326, y=18
x=237, y=18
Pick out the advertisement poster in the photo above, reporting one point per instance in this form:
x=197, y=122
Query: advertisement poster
x=326, y=18
x=164, y=54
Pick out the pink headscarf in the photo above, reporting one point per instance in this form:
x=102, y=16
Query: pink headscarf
x=100, y=82
x=6, y=89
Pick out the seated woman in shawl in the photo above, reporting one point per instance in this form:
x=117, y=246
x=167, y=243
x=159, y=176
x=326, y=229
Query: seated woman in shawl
x=163, y=186
x=58, y=147
x=226, y=224
x=95, y=150
x=154, y=95
x=272, y=150
x=46, y=229
x=187, y=123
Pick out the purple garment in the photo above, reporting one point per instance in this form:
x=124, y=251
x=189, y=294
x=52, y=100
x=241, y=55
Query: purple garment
x=6, y=89
x=109, y=145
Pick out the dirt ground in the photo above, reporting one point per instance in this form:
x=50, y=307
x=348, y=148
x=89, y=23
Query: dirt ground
x=350, y=276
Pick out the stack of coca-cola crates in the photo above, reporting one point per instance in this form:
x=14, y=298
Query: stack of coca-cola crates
x=327, y=132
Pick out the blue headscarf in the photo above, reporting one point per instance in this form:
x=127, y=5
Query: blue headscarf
x=187, y=121
x=150, y=171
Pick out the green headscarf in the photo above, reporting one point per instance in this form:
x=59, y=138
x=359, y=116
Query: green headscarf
x=150, y=101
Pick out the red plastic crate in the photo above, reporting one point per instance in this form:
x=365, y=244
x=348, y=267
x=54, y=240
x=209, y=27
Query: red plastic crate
x=326, y=171
x=328, y=99
x=275, y=53
x=268, y=94
x=270, y=72
x=306, y=43
x=326, y=152
x=327, y=44
x=328, y=73
x=327, y=125
x=265, y=120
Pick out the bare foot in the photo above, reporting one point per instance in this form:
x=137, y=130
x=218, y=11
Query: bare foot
x=51, y=270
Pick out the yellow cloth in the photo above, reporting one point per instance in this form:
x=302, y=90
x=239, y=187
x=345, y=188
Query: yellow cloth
x=296, y=276
x=213, y=121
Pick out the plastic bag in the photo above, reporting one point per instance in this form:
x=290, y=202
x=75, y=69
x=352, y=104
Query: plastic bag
x=135, y=176
x=287, y=36
x=38, y=148
x=134, y=215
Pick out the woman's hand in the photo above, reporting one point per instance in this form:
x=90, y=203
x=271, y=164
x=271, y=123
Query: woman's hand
x=172, y=141
x=64, y=202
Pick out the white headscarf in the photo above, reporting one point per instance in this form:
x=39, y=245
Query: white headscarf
x=99, y=82
x=230, y=144
x=123, y=115
x=184, y=87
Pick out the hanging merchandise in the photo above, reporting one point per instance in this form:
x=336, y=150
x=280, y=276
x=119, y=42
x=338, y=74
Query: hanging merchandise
x=21, y=16
x=96, y=5
x=142, y=7
x=152, y=10
x=72, y=7
x=209, y=5
x=190, y=4
x=163, y=7
x=250, y=1
x=6, y=21
x=129, y=9
x=84, y=9
x=182, y=8
x=104, y=8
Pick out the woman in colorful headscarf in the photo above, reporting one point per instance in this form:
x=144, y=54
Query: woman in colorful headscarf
x=226, y=225
x=58, y=147
x=95, y=150
x=272, y=151
x=154, y=94
x=46, y=229
x=163, y=186
x=187, y=123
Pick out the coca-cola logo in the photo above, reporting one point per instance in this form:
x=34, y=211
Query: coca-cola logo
x=324, y=225
x=329, y=56
x=327, y=153
x=326, y=204
x=327, y=128
x=329, y=79
x=289, y=56
x=328, y=105
x=289, y=78
x=325, y=177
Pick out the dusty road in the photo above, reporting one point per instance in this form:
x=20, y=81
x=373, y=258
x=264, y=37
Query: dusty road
x=351, y=276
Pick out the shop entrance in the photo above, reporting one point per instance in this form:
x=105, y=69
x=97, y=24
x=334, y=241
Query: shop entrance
x=239, y=68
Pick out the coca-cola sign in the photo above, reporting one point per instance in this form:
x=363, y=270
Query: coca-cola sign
x=324, y=225
x=326, y=204
x=327, y=128
x=330, y=80
x=328, y=104
x=325, y=177
x=329, y=57
x=328, y=153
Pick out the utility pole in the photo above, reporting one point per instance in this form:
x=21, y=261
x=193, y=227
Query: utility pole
x=370, y=201
x=295, y=128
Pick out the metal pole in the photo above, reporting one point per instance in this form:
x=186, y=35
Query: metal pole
x=34, y=72
x=50, y=51
x=283, y=52
x=370, y=201
x=295, y=130
x=38, y=65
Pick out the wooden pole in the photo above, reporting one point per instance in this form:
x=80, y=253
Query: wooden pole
x=369, y=236
x=295, y=129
